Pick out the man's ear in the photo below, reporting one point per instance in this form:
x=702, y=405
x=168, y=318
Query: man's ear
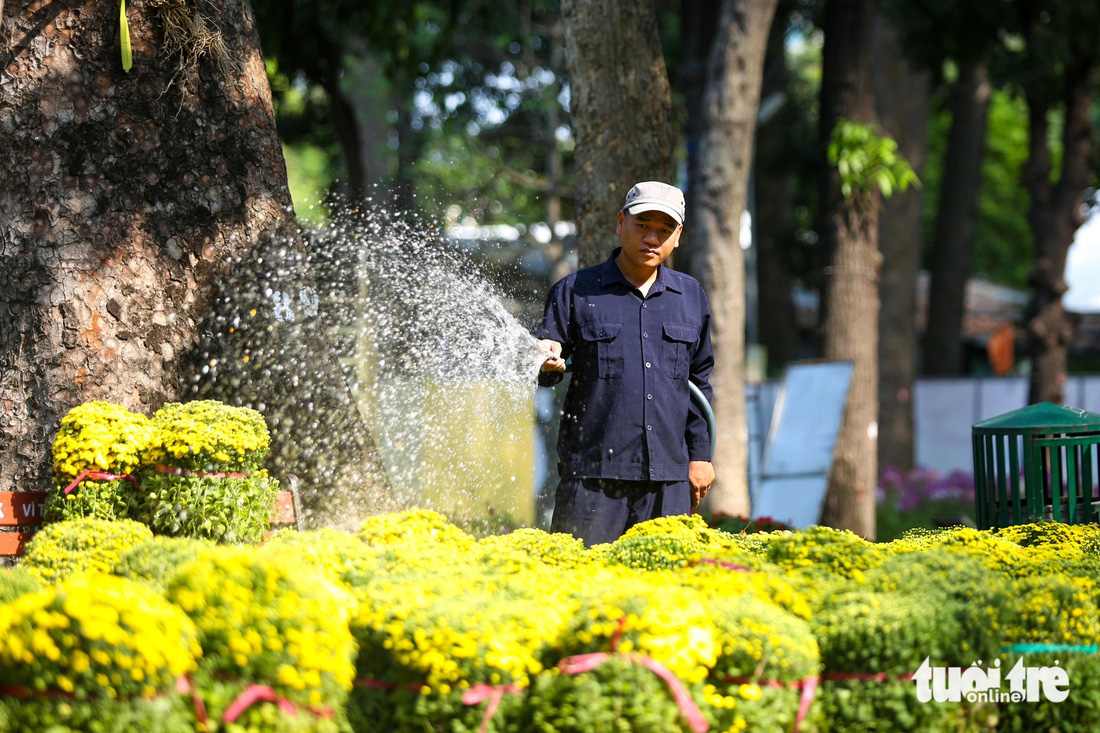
x=619, y=223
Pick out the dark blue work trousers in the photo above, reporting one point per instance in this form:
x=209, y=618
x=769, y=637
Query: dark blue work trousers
x=599, y=510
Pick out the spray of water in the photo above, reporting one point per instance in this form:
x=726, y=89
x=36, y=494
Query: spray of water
x=442, y=366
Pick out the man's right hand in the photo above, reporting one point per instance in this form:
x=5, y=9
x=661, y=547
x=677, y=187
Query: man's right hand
x=552, y=350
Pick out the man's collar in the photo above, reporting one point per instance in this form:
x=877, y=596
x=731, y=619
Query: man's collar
x=610, y=273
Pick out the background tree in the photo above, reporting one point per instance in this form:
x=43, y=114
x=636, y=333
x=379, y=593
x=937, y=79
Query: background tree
x=850, y=292
x=719, y=196
x=956, y=219
x=964, y=38
x=148, y=233
x=901, y=104
x=1057, y=66
x=621, y=107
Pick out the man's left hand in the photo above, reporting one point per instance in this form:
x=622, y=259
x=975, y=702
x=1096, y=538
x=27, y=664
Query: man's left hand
x=701, y=476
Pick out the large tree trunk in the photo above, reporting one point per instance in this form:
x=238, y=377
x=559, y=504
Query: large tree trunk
x=1055, y=215
x=850, y=234
x=901, y=101
x=956, y=220
x=734, y=73
x=622, y=112
x=144, y=213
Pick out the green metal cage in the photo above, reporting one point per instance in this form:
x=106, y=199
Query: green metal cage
x=1039, y=462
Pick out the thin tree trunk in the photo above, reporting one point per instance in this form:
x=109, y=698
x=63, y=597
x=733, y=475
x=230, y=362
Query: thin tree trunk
x=622, y=112
x=901, y=96
x=850, y=232
x=734, y=74
x=774, y=198
x=1055, y=215
x=700, y=22
x=956, y=220
x=137, y=208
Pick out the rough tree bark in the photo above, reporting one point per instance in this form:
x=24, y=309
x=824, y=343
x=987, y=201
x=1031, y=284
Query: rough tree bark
x=1055, y=215
x=621, y=107
x=730, y=101
x=149, y=251
x=901, y=97
x=956, y=220
x=850, y=235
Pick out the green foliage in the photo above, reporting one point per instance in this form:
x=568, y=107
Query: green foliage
x=882, y=707
x=615, y=697
x=1003, y=249
x=227, y=510
x=402, y=710
x=93, y=499
x=168, y=713
x=16, y=581
x=860, y=630
x=866, y=160
x=218, y=694
x=1080, y=712
x=309, y=171
x=974, y=603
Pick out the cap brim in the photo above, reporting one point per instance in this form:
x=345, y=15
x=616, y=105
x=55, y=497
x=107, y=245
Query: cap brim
x=639, y=206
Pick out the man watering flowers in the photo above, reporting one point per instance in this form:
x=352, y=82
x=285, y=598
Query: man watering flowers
x=632, y=446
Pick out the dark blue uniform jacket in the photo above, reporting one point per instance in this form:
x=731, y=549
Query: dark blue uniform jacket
x=628, y=412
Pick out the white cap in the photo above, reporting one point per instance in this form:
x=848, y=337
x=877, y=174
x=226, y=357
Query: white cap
x=656, y=196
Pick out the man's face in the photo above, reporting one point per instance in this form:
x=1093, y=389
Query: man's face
x=647, y=237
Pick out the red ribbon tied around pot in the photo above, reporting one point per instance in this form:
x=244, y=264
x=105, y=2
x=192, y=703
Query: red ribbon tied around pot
x=582, y=663
x=494, y=694
x=262, y=693
x=99, y=476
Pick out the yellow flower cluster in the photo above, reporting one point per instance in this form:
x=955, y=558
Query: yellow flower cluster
x=1050, y=534
x=447, y=627
x=820, y=548
x=95, y=636
x=420, y=611
x=342, y=558
x=156, y=560
x=524, y=548
x=78, y=545
x=760, y=641
x=665, y=621
x=269, y=619
x=420, y=527
x=996, y=553
x=99, y=436
x=1054, y=610
x=207, y=435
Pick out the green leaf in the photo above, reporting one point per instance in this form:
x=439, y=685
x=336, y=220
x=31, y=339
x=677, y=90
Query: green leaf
x=124, y=39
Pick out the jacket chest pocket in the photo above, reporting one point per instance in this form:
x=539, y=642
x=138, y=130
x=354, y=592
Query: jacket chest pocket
x=677, y=342
x=601, y=341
